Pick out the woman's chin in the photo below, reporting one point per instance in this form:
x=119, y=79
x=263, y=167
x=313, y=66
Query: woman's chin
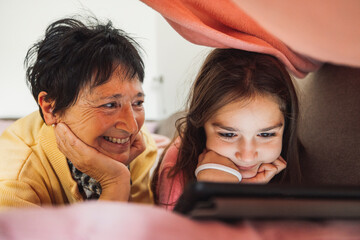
x=118, y=152
x=123, y=158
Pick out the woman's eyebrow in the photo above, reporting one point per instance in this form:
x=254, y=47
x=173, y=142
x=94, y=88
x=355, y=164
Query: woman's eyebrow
x=118, y=96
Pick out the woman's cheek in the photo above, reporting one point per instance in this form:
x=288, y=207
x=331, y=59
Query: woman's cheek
x=140, y=119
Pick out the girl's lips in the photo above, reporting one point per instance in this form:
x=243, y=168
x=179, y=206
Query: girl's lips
x=246, y=168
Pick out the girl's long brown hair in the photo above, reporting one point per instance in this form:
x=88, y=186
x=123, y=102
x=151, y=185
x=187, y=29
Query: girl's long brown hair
x=229, y=75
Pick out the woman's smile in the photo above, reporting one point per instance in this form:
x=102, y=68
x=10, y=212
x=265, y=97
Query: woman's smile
x=117, y=140
x=113, y=145
x=108, y=117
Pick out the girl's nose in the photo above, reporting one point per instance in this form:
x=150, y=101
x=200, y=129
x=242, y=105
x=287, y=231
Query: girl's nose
x=126, y=120
x=246, y=151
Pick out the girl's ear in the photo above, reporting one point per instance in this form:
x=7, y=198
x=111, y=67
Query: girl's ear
x=47, y=109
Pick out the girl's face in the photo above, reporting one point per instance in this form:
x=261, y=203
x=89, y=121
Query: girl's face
x=108, y=117
x=249, y=133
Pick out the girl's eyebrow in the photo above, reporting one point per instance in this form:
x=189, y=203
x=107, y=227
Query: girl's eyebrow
x=225, y=127
x=279, y=125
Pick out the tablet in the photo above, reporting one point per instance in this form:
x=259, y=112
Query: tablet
x=229, y=201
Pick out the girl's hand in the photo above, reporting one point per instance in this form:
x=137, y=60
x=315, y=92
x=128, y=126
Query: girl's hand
x=214, y=175
x=267, y=171
x=113, y=176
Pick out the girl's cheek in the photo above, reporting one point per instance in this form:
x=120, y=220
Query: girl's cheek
x=270, y=153
x=210, y=142
x=221, y=149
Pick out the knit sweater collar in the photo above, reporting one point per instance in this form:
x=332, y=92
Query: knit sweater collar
x=59, y=163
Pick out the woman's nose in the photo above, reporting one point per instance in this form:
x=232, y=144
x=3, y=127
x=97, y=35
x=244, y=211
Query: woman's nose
x=246, y=151
x=126, y=120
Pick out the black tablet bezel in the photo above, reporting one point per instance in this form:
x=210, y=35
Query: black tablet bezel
x=203, y=200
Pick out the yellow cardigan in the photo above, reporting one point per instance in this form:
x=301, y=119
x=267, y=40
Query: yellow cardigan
x=33, y=172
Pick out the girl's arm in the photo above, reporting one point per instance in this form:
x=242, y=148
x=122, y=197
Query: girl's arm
x=265, y=172
x=215, y=175
x=169, y=189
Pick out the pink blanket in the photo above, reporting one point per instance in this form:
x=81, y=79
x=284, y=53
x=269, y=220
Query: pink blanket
x=109, y=220
x=223, y=24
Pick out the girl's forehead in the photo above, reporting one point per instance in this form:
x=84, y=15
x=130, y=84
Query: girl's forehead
x=258, y=107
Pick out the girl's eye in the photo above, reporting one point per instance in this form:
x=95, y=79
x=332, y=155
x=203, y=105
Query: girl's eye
x=265, y=135
x=227, y=135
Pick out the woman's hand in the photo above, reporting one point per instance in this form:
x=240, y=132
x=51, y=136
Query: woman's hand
x=214, y=175
x=137, y=147
x=113, y=176
x=267, y=171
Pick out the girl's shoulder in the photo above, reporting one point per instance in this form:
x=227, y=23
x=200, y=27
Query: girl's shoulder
x=171, y=154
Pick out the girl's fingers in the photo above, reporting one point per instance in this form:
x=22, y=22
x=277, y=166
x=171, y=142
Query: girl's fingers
x=267, y=171
x=280, y=164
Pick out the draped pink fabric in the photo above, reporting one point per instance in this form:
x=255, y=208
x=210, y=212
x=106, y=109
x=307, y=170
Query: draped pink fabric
x=327, y=32
x=223, y=24
x=110, y=220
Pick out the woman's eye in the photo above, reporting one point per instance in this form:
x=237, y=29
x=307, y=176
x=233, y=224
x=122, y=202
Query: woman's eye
x=139, y=103
x=109, y=105
x=227, y=135
x=266, y=135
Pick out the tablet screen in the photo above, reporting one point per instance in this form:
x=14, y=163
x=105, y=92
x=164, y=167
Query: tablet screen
x=228, y=201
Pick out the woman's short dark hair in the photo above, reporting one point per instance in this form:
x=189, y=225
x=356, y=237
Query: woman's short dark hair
x=73, y=54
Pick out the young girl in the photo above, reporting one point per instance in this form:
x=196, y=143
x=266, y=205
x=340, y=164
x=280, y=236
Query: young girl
x=240, y=126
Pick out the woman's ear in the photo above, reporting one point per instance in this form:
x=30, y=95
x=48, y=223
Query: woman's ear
x=47, y=108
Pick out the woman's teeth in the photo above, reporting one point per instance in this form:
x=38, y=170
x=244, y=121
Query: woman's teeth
x=117, y=140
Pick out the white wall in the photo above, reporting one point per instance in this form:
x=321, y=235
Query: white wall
x=168, y=55
x=178, y=62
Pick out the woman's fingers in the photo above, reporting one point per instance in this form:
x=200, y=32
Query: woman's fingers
x=113, y=176
x=137, y=147
x=86, y=158
x=73, y=148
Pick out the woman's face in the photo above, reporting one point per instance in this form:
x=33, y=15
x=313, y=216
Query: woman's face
x=109, y=116
x=249, y=133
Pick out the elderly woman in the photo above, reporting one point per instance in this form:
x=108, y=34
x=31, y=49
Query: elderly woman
x=87, y=140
